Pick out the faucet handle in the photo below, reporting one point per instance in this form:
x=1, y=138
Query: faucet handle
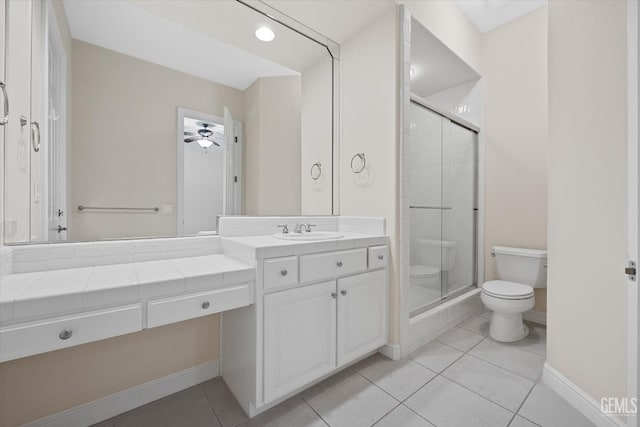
x=309, y=227
x=285, y=229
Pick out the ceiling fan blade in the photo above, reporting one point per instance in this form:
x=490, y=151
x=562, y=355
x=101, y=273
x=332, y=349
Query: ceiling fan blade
x=189, y=133
x=215, y=143
x=188, y=140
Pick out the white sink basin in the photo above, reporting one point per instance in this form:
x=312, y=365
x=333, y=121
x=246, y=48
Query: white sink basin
x=308, y=237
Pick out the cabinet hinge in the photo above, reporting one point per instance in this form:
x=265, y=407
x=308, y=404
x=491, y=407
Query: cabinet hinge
x=236, y=139
x=235, y=179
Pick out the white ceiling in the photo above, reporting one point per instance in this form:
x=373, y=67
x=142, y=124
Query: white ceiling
x=157, y=32
x=339, y=20
x=436, y=67
x=490, y=14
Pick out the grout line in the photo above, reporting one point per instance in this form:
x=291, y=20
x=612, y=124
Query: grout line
x=382, y=417
x=522, y=404
x=390, y=395
x=206, y=396
x=310, y=407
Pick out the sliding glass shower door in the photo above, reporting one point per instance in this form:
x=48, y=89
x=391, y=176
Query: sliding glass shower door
x=442, y=195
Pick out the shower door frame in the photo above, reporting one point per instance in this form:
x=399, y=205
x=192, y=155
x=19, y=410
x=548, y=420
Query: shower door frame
x=422, y=103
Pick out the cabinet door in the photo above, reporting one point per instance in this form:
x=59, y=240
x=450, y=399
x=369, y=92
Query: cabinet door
x=362, y=314
x=18, y=133
x=299, y=337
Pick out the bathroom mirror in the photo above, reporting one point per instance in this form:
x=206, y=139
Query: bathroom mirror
x=159, y=115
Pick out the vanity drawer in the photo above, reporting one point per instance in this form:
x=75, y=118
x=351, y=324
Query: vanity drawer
x=176, y=309
x=280, y=272
x=54, y=334
x=332, y=264
x=378, y=256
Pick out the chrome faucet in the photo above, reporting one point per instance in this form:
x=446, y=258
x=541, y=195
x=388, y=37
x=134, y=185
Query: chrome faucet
x=305, y=227
x=285, y=229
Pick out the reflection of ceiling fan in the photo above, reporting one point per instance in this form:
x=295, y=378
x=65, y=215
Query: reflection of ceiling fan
x=205, y=136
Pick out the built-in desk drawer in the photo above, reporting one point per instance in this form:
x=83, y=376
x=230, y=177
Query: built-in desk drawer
x=40, y=337
x=378, y=256
x=280, y=272
x=332, y=264
x=176, y=309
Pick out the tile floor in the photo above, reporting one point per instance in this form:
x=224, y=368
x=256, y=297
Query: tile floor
x=462, y=379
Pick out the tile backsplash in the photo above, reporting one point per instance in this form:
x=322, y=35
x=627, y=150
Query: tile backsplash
x=29, y=258
x=237, y=226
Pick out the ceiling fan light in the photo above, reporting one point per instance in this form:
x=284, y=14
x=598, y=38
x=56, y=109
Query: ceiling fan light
x=205, y=143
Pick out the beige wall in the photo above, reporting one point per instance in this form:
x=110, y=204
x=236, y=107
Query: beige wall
x=369, y=71
x=41, y=385
x=516, y=135
x=449, y=24
x=586, y=337
x=124, y=138
x=272, y=146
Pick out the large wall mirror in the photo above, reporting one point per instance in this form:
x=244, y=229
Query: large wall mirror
x=153, y=117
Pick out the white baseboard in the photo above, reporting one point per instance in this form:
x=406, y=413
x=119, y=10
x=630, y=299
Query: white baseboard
x=535, y=316
x=587, y=405
x=126, y=400
x=392, y=351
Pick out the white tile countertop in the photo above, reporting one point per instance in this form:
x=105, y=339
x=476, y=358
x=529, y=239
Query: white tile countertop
x=30, y=296
x=250, y=248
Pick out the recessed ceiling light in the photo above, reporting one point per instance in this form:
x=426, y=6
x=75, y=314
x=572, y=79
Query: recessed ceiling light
x=265, y=34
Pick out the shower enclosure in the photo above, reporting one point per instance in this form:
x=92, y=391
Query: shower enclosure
x=443, y=212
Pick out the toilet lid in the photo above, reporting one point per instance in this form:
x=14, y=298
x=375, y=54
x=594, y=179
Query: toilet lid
x=423, y=271
x=507, y=290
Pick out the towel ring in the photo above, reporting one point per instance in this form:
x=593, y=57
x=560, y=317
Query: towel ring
x=318, y=166
x=362, y=159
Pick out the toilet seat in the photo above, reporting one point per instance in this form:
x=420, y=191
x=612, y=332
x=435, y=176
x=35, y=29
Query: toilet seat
x=503, y=289
x=423, y=271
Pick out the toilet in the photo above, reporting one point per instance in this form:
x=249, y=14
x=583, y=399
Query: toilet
x=519, y=271
x=432, y=257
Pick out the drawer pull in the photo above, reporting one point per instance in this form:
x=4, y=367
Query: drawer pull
x=380, y=257
x=339, y=263
x=283, y=273
x=343, y=292
x=205, y=305
x=334, y=295
x=65, y=334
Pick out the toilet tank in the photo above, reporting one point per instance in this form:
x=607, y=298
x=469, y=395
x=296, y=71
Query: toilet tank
x=520, y=265
x=437, y=253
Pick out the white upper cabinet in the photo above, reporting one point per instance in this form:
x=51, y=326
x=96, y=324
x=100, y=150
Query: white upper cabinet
x=18, y=129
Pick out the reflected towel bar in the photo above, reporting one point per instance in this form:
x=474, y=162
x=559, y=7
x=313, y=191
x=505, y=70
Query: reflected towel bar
x=444, y=208
x=154, y=209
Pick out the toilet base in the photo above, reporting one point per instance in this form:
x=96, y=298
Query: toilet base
x=507, y=327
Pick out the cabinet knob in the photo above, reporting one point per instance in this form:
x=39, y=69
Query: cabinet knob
x=205, y=305
x=334, y=295
x=381, y=257
x=339, y=263
x=343, y=292
x=283, y=273
x=65, y=334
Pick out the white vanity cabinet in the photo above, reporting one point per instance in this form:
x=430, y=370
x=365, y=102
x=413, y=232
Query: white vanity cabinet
x=299, y=337
x=311, y=330
x=362, y=314
x=315, y=312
